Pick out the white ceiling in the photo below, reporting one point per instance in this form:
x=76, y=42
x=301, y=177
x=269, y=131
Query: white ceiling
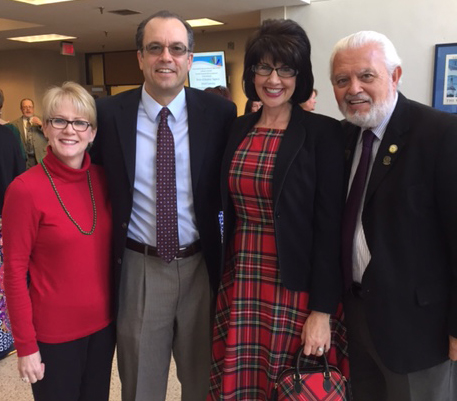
x=97, y=29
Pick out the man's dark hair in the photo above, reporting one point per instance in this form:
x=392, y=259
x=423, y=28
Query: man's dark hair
x=165, y=15
x=284, y=41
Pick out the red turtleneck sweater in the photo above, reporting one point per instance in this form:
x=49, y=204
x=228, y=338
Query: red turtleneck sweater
x=70, y=290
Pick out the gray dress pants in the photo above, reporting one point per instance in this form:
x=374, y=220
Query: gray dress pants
x=164, y=309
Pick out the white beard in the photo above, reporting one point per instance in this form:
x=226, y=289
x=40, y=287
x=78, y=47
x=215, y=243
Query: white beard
x=372, y=118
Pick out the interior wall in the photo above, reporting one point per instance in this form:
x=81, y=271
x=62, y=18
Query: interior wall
x=414, y=27
x=232, y=43
x=29, y=73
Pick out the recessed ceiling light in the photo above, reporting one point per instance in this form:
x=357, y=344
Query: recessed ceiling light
x=41, y=2
x=41, y=38
x=194, y=23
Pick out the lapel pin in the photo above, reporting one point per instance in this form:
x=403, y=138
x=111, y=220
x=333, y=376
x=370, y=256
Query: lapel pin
x=386, y=160
x=393, y=148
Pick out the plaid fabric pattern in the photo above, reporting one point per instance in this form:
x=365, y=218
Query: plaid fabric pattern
x=312, y=388
x=258, y=321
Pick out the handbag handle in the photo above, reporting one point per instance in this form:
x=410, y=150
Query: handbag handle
x=297, y=385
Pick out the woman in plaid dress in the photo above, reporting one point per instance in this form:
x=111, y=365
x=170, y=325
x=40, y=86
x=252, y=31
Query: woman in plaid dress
x=282, y=192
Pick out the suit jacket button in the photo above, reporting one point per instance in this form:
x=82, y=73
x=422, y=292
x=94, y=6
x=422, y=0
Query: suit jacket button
x=124, y=225
x=278, y=215
x=119, y=261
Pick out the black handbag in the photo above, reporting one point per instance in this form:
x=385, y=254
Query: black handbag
x=313, y=383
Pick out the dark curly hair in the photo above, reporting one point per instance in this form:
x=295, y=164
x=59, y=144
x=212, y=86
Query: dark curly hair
x=284, y=41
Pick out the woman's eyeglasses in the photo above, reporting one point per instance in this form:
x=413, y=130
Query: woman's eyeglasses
x=266, y=70
x=78, y=125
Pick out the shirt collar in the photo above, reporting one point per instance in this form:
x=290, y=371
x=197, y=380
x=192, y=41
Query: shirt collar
x=152, y=108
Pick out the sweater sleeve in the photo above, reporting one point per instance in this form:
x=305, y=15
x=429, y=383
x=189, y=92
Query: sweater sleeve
x=20, y=227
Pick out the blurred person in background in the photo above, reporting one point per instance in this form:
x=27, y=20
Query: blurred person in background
x=221, y=91
x=31, y=133
x=11, y=164
x=252, y=106
x=310, y=104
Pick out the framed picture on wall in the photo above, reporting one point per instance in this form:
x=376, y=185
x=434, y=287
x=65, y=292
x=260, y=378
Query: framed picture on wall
x=445, y=78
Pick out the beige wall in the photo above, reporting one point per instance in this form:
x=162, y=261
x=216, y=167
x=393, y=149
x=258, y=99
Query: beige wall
x=414, y=27
x=205, y=42
x=29, y=73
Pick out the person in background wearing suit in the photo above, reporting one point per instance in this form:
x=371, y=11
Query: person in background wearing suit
x=282, y=192
x=12, y=127
x=11, y=165
x=32, y=136
x=2, y=99
x=166, y=237
x=399, y=243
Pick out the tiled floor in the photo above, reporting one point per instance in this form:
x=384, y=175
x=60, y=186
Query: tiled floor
x=12, y=388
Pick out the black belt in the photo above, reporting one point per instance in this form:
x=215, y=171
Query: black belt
x=186, y=252
x=356, y=290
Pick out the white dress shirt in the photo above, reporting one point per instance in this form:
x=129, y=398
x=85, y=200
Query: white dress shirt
x=142, y=226
x=24, y=124
x=361, y=254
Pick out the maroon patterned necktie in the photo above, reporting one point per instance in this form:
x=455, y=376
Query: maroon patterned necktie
x=167, y=215
x=353, y=204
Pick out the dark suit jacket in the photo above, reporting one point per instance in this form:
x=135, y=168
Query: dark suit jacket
x=209, y=119
x=307, y=201
x=410, y=224
x=11, y=161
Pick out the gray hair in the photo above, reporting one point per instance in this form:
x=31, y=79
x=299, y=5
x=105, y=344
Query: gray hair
x=362, y=38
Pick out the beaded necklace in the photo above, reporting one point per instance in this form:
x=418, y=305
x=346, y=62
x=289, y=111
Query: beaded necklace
x=65, y=209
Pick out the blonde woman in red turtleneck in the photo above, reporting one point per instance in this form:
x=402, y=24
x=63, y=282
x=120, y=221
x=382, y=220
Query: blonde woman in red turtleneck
x=57, y=228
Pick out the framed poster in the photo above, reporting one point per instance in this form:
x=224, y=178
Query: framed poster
x=208, y=70
x=445, y=78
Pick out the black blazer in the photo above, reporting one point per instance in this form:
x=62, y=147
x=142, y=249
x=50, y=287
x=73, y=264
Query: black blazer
x=410, y=224
x=307, y=200
x=209, y=119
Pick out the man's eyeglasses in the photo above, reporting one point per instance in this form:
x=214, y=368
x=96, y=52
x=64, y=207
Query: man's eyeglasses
x=78, y=125
x=266, y=70
x=156, y=49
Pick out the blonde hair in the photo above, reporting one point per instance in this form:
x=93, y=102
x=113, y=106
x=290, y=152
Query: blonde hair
x=82, y=101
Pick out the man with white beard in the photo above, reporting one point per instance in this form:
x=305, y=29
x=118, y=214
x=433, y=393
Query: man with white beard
x=399, y=237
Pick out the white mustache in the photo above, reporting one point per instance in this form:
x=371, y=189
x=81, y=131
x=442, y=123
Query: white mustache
x=351, y=98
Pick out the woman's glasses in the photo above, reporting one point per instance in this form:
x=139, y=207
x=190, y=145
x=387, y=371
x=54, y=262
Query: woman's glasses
x=266, y=70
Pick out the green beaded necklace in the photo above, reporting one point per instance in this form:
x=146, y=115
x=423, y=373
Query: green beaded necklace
x=65, y=209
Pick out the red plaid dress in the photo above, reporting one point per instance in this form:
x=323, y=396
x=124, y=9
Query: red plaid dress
x=258, y=321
